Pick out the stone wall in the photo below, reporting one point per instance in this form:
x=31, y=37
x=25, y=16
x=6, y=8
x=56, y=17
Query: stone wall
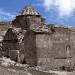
x=49, y=50
x=10, y=42
x=52, y=49
x=30, y=48
x=28, y=22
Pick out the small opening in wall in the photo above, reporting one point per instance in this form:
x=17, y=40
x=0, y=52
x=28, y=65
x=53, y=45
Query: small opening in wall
x=68, y=48
x=62, y=68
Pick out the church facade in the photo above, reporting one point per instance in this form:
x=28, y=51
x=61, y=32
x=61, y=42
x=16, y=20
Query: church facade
x=30, y=40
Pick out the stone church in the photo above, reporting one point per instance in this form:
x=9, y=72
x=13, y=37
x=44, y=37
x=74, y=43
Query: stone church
x=28, y=39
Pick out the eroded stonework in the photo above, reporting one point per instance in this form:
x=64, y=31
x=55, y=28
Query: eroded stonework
x=30, y=40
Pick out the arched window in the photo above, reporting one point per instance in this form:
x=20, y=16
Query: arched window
x=68, y=48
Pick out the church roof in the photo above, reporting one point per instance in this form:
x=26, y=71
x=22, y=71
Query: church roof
x=28, y=10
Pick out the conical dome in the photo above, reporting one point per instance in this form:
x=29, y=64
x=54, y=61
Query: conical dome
x=28, y=10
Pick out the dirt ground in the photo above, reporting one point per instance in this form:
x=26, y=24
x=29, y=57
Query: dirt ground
x=62, y=72
x=11, y=71
x=21, y=71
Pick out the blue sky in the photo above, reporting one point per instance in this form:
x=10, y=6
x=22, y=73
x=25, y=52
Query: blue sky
x=54, y=11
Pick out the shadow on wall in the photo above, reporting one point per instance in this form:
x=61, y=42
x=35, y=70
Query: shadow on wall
x=30, y=48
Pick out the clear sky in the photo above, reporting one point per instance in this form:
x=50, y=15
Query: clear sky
x=54, y=11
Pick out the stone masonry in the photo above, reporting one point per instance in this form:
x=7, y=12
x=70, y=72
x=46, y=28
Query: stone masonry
x=30, y=40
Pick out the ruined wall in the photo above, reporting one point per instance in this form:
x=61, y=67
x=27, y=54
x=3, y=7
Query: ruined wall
x=44, y=49
x=10, y=42
x=55, y=50
x=49, y=50
x=28, y=22
x=35, y=21
x=30, y=48
x=64, y=46
x=60, y=41
x=72, y=42
x=20, y=22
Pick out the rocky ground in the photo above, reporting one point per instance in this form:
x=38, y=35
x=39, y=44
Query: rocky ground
x=11, y=71
x=8, y=67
